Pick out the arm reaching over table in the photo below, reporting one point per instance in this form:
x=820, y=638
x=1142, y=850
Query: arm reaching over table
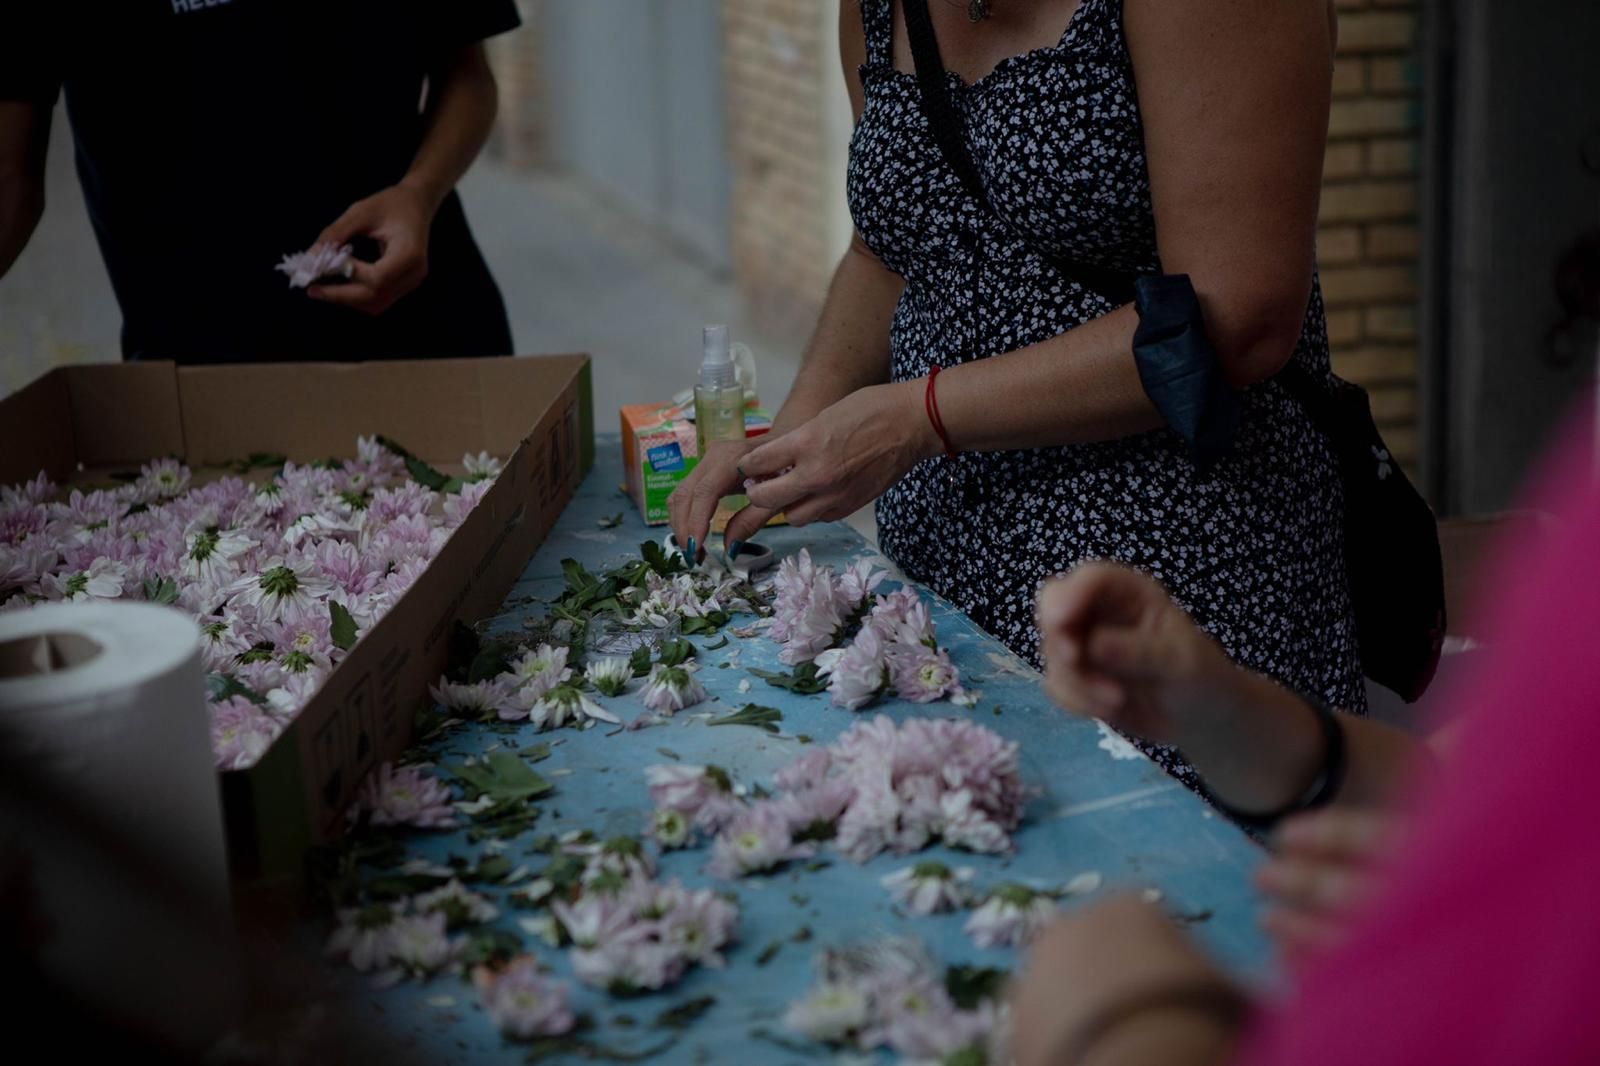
x=1116, y=647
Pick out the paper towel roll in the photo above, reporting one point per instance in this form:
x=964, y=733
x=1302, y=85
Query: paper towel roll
x=112, y=810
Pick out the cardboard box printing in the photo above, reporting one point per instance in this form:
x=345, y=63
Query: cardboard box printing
x=80, y=424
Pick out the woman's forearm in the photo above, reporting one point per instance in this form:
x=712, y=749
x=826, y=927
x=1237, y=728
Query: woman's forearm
x=1079, y=386
x=849, y=349
x=462, y=102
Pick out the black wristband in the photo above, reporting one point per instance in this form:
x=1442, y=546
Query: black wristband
x=1207, y=995
x=1330, y=776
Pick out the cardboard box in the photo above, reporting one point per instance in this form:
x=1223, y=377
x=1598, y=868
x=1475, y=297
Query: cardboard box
x=80, y=423
x=659, y=450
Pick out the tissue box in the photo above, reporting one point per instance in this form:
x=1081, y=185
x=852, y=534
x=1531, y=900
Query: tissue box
x=659, y=448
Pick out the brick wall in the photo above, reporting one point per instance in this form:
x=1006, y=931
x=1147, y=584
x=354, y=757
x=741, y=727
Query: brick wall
x=1367, y=240
x=778, y=55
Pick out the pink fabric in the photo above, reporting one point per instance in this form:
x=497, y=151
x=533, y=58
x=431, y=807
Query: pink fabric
x=1485, y=947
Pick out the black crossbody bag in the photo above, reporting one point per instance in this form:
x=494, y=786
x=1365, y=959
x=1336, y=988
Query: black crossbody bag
x=1391, y=538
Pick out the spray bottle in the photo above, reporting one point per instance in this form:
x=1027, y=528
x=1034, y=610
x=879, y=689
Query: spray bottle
x=719, y=397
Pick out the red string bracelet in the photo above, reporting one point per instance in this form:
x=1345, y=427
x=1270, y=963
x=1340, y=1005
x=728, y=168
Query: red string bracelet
x=931, y=401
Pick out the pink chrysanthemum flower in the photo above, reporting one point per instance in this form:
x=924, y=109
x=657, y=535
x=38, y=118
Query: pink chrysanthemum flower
x=458, y=505
x=322, y=260
x=929, y=887
x=162, y=480
x=479, y=699
x=283, y=586
x=102, y=579
x=1010, y=917
x=20, y=521
x=534, y=673
x=921, y=674
x=703, y=794
x=859, y=674
x=241, y=732
x=23, y=565
x=522, y=1002
x=671, y=688
x=757, y=840
x=407, y=796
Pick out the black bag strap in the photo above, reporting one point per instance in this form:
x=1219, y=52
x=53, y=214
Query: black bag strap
x=947, y=129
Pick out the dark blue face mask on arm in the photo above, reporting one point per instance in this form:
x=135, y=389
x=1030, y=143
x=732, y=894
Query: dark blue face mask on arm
x=1391, y=539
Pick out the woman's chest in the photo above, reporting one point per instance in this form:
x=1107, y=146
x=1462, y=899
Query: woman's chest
x=1056, y=138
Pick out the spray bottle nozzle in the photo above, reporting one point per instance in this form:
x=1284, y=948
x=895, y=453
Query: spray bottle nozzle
x=717, y=370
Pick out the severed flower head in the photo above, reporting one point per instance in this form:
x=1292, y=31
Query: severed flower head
x=210, y=554
x=481, y=467
x=420, y=944
x=830, y=1012
x=859, y=674
x=929, y=887
x=703, y=794
x=757, y=840
x=480, y=699
x=522, y=1002
x=283, y=585
x=536, y=672
x=103, y=579
x=362, y=936
x=457, y=903
x=671, y=688
x=670, y=828
x=322, y=260
x=609, y=675
x=922, y=674
x=241, y=732
x=406, y=796
x=1010, y=916
x=568, y=703
x=161, y=480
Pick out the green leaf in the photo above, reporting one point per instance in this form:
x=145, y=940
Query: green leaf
x=502, y=776
x=492, y=660
x=769, y=952
x=343, y=629
x=803, y=681
x=491, y=946
x=426, y=475
x=686, y=1013
x=971, y=985
x=535, y=752
x=723, y=643
x=669, y=753
x=675, y=653
x=161, y=590
x=225, y=686
x=639, y=661
x=696, y=624
x=612, y=522
x=752, y=714
x=578, y=579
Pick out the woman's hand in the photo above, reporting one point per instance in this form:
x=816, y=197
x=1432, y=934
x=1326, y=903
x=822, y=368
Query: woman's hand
x=693, y=503
x=1320, y=870
x=845, y=457
x=1096, y=957
x=1117, y=648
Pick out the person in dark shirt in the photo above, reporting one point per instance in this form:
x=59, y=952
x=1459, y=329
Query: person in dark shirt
x=213, y=137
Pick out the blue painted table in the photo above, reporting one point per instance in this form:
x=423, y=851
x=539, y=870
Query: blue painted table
x=1100, y=807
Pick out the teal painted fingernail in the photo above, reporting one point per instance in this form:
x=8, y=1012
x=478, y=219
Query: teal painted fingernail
x=690, y=553
x=733, y=549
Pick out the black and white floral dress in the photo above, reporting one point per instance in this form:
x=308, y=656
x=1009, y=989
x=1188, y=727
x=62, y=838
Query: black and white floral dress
x=1253, y=550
